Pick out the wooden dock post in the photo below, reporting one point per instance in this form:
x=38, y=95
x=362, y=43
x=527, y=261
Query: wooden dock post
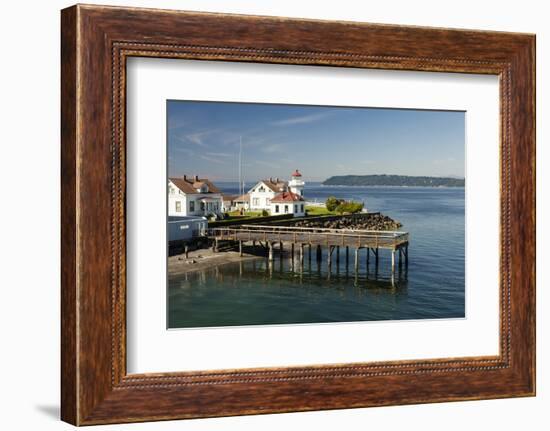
x=393, y=261
x=347, y=256
x=267, y=237
x=270, y=245
x=186, y=251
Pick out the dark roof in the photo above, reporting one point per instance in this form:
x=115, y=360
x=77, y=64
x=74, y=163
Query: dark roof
x=229, y=197
x=276, y=185
x=287, y=197
x=187, y=184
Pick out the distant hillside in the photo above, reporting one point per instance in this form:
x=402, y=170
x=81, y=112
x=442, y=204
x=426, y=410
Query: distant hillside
x=392, y=180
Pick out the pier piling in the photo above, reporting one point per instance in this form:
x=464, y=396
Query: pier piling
x=271, y=237
x=347, y=256
x=270, y=245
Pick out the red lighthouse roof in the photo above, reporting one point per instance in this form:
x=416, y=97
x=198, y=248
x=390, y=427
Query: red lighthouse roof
x=296, y=173
x=286, y=197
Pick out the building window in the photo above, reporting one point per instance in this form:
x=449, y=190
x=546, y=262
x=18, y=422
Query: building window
x=276, y=208
x=178, y=206
x=256, y=202
x=295, y=208
x=192, y=206
x=267, y=202
x=286, y=209
x=302, y=208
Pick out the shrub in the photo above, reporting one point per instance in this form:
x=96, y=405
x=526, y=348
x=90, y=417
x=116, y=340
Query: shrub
x=332, y=203
x=265, y=213
x=349, y=207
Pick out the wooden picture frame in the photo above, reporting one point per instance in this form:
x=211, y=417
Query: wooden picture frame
x=95, y=43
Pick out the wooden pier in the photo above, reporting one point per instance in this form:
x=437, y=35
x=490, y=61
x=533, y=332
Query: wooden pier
x=297, y=238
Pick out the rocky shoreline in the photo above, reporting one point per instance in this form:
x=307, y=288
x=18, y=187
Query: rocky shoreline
x=366, y=221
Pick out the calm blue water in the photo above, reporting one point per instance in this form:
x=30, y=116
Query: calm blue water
x=253, y=293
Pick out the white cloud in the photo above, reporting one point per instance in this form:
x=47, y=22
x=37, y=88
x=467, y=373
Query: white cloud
x=213, y=159
x=303, y=119
x=219, y=154
x=272, y=148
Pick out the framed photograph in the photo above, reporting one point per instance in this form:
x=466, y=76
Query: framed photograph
x=263, y=214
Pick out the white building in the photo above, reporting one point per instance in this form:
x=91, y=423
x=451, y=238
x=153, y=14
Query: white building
x=242, y=202
x=193, y=196
x=228, y=202
x=261, y=194
x=296, y=184
x=186, y=228
x=288, y=203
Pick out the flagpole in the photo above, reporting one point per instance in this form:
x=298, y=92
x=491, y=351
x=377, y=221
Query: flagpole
x=241, y=191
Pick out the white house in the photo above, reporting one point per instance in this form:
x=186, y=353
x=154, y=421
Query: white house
x=193, y=196
x=229, y=203
x=288, y=203
x=261, y=194
x=242, y=202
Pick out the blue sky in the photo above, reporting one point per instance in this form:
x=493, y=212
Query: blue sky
x=320, y=141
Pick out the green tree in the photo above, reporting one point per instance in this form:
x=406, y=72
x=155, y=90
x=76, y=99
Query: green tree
x=332, y=203
x=349, y=207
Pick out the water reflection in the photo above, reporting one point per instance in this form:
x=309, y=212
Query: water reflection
x=283, y=291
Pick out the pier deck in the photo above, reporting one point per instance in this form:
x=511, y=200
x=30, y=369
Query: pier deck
x=372, y=241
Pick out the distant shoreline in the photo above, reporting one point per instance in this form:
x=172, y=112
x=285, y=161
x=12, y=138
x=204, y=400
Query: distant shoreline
x=393, y=181
x=392, y=187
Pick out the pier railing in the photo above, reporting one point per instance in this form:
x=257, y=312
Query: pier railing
x=315, y=236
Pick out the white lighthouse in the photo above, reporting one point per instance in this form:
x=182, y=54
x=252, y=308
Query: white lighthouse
x=296, y=184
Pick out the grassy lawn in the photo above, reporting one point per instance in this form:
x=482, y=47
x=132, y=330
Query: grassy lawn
x=318, y=211
x=247, y=214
